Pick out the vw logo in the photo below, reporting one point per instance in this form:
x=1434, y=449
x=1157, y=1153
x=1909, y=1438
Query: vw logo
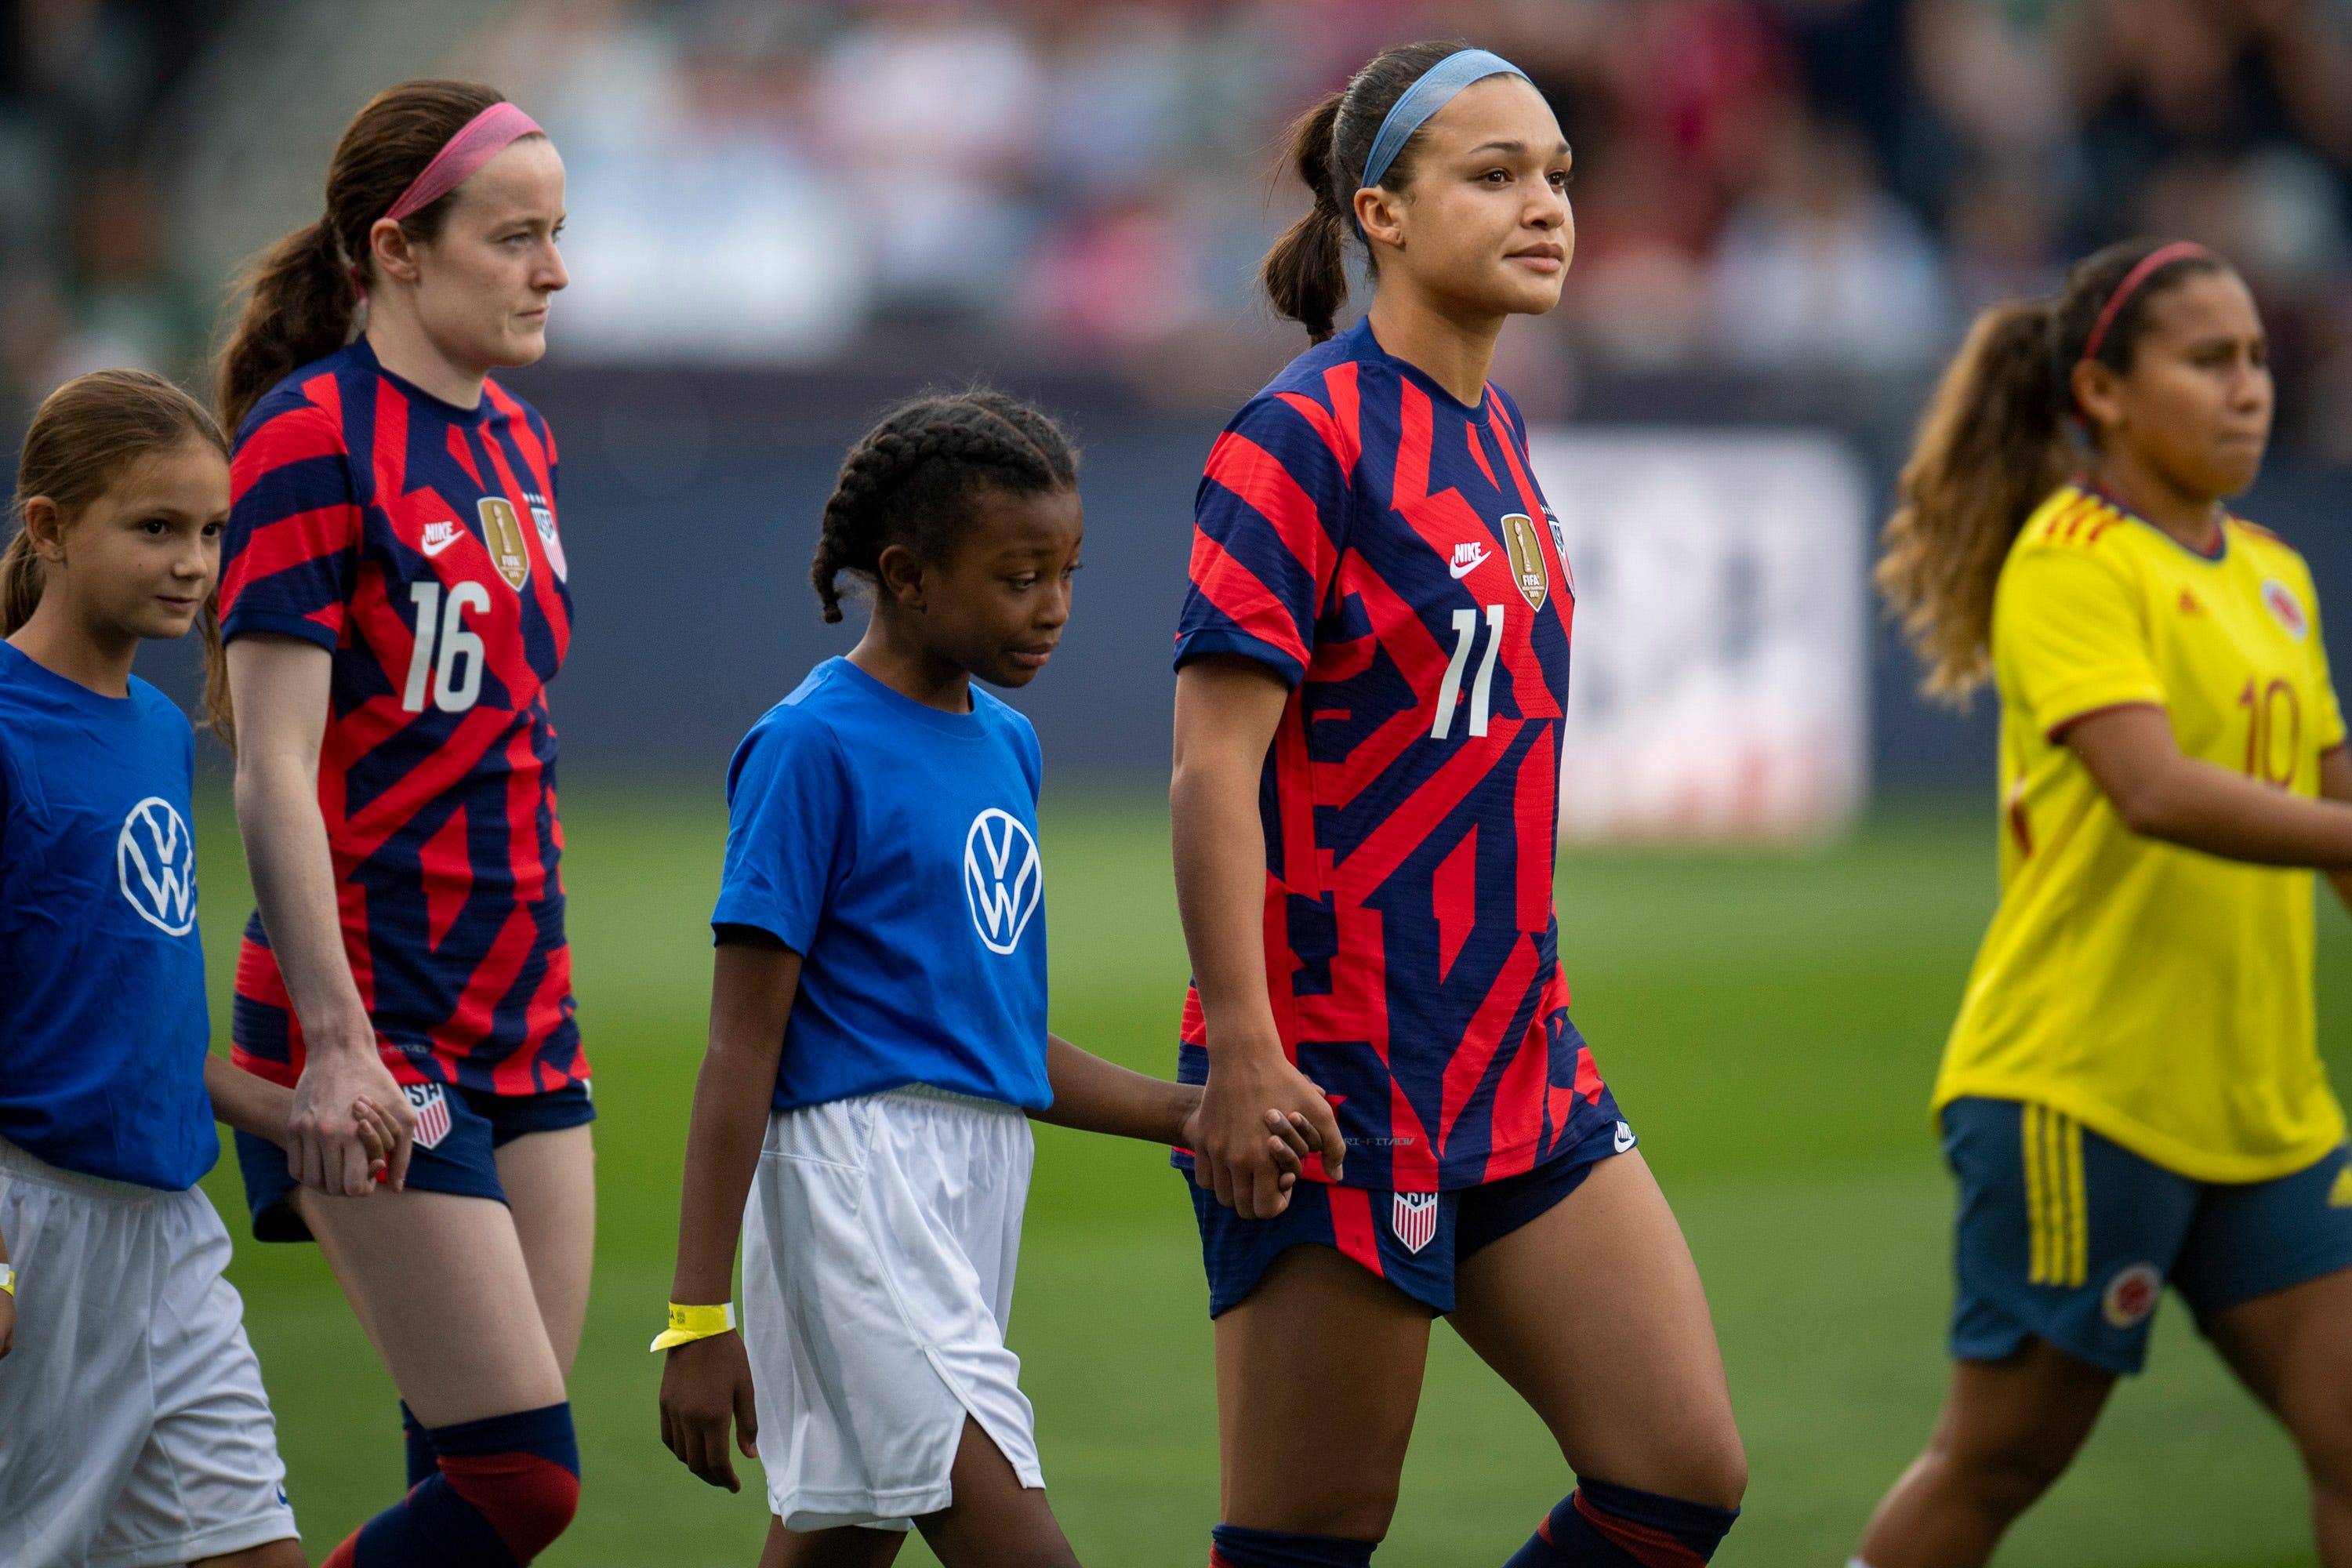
x=155, y=860
x=1002, y=879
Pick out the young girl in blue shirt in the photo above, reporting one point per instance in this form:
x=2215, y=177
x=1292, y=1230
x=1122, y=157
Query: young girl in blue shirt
x=877, y=1026
x=134, y=1427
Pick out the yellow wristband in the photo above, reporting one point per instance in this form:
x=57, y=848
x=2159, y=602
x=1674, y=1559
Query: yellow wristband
x=688, y=1324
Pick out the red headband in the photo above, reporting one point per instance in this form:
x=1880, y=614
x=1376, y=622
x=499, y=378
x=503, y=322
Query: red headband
x=480, y=139
x=2179, y=251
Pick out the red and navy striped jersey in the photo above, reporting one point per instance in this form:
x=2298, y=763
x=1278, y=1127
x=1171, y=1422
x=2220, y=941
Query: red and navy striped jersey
x=1385, y=549
x=417, y=542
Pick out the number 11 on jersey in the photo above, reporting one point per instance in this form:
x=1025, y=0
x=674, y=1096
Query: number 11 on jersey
x=1449, y=691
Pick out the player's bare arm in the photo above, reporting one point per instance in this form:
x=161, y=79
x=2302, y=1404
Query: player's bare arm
x=707, y=1384
x=1226, y=710
x=280, y=685
x=1092, y=1095
x=2183, y=800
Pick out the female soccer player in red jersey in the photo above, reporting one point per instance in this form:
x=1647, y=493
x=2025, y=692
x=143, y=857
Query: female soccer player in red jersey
x=393, y=602
x=2132, y=1096
x=1372, y=667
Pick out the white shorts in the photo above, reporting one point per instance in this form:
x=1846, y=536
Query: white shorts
x=878, y=1253
x=133, y=1429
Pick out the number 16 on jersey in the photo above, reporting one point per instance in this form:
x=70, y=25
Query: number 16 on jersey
x=455, y=677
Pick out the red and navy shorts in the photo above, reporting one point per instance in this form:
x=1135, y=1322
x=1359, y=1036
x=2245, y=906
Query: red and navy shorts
x=459, y=1134
x=1414, y=1240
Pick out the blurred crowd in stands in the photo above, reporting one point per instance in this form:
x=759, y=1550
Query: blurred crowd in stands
x=1764, y=189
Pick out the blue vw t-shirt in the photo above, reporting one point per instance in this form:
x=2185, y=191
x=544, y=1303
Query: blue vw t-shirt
x=102, y=1022
x=893, y=848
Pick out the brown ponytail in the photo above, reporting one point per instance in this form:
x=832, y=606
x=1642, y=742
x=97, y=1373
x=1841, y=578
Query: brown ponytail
x=1992, y=444
x=1306, y=273
x=82, y=437
x=302, y=300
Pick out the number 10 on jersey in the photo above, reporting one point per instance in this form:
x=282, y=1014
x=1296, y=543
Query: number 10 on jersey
x=455, y=679
x=1449, y=691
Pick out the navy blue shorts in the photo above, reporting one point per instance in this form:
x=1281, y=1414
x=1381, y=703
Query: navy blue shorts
x=462, y=1160
x=2072, y=1238
x=1412, y=1241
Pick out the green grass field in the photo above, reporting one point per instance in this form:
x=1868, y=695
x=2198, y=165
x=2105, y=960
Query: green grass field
x=1769, y=1021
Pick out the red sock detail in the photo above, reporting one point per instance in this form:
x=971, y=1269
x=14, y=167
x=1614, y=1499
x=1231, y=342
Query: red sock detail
x=343, y=1556
x=1651, y=1548
x=528, y=1500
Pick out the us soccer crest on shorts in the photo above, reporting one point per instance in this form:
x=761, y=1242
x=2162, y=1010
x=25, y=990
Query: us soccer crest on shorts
x=1413, y=1217
x=431, y=1103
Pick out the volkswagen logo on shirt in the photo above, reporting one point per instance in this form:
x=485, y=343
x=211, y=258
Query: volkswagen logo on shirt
x=1002, y=878
x=155, y=860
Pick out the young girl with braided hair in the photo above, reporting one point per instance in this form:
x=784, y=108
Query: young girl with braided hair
x=877, y=1026
x=2131, y=1095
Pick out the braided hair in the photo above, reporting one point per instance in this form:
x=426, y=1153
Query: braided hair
x=912, y=479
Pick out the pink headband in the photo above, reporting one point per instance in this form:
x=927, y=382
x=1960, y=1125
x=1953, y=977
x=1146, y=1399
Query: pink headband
x=2179, y=251
x=481, y=138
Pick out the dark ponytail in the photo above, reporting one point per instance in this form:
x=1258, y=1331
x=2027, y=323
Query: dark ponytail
x=302, y=300
x=1992, y=444
x=1306, y=273
x=911, y=479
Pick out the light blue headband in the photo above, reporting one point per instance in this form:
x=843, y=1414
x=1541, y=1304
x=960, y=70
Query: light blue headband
x=1433, y=92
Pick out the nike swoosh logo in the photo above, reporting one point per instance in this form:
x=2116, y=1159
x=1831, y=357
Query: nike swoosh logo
x=1461, y=568
x=432, y=546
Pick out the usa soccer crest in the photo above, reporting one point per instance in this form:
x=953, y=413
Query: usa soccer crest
x=502, y=532
x=1414, y=1216
x=431, y=1103
x=542, y=517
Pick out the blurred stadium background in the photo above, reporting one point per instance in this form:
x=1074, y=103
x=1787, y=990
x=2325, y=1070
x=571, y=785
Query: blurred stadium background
x=784, y=216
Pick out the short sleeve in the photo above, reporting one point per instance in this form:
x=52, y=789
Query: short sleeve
x=291, y=553
x=2069, y=639
x=2330, y=732
x=788, y=809
x=1268, y=525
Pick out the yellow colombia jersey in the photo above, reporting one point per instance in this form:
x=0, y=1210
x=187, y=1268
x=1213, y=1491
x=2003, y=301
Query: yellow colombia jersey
x=2160, y=996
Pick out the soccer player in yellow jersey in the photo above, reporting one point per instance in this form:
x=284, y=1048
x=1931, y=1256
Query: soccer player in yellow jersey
x=2131, y=1095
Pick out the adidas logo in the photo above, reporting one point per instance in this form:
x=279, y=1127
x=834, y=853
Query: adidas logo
x=2188, y=604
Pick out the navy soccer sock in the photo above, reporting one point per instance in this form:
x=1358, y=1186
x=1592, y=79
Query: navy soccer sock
x=501, y=1490
x=1602, y=1526
x=419, y=1444
x=1233, y=1546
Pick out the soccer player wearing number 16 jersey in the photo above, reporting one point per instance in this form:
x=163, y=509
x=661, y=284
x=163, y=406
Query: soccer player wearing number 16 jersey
x=394, y=602
x=1373, y=667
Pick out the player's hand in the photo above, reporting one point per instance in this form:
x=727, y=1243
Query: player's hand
x=1288, y=1140
x=325, y=1147
x=380, y=1131
x=704, y=1384
x=1235, y=1152
x=7, y=1324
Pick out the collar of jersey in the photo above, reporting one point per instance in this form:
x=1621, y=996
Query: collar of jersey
x=415, y=393
x=967, y=725
x=1423, y=380
x=2105, y=499
x=34, y=673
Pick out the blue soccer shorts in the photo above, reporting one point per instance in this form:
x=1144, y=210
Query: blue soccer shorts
x=459, y=1134
x=1414, y=1240
x=2072, y=1238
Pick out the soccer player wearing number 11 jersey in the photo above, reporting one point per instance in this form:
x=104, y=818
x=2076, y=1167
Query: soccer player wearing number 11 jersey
x=1372, y=672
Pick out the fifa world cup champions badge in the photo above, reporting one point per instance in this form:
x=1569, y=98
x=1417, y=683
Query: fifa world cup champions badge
x=502, y=532
x=1527, y=569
